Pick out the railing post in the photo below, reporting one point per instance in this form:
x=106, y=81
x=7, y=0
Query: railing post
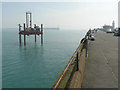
x=77, y=62
x=86, y=47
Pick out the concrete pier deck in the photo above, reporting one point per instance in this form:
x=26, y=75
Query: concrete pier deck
x=101, y=69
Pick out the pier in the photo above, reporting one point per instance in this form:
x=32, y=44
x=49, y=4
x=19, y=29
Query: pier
x=101, y=69
x=97, y=64
x=28, y=30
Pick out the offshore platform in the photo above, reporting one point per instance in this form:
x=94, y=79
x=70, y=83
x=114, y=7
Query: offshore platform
x=28, y=30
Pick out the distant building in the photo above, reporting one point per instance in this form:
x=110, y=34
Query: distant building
x=113, y=25
x=107, y=28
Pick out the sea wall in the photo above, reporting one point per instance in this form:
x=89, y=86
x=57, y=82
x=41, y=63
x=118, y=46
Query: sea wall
x=67, y=78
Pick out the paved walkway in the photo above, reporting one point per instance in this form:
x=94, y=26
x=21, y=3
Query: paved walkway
x=101, y=70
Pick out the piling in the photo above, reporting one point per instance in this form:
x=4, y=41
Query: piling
x=35, y=34
x=35, y=37
x=41, y=33
x=24, y=36
x=19, y=34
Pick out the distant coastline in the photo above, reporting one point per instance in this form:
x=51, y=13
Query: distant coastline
x=4, y=29
x=51, y=28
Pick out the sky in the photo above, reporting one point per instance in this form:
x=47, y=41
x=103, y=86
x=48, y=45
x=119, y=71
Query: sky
x=65, y=15
x=119, y=14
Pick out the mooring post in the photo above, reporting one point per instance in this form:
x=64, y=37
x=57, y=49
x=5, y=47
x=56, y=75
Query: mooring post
x=19, y=34
x=77, y=62
x=24, y=36
x=41, y=33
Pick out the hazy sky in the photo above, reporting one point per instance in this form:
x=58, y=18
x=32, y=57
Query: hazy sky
x=66, y=15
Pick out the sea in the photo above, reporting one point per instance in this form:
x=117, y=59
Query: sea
x=36, y=65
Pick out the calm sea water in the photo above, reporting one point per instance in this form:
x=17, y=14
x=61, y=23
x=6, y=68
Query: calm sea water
x=36, y=65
